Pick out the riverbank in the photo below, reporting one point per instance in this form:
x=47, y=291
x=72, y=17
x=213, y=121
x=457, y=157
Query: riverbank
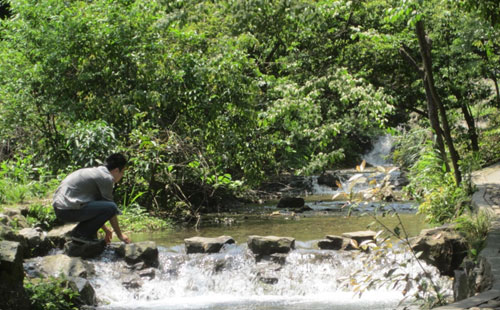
x=486, y=198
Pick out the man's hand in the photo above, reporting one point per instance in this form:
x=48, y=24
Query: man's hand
x=124, y=238
x=108, y=236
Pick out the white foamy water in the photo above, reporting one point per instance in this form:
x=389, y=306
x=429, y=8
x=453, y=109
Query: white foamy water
x=309, y=279
x=379, y=155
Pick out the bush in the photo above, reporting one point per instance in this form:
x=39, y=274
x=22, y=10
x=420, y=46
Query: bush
x=475, y=228
x=51, y=294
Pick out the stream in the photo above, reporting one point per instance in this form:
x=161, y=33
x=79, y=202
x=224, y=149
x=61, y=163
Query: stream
x=309, y=278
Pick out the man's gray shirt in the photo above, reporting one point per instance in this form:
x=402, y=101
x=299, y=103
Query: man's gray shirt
x=83, y=186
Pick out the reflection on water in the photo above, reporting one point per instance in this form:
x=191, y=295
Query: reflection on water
x=301, y=227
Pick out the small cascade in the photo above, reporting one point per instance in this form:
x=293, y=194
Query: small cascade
x=232, y=279
x=379, y=155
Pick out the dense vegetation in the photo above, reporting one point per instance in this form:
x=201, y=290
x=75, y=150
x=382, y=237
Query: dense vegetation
x=212, y=98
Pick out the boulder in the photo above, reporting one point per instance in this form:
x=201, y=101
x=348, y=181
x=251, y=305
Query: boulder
x=11, y=262
x=332, y=243
x=59, y=235
x=86, y=293
x=206, y=245
x=12, y=294
x=441, y=247
x=329, y=179
x=54, y=265
x=291, y=203
x=84, y=250
x=267, y=245
x=7, y=233
x=134, y=253
x=37, y=243
x=360, y=236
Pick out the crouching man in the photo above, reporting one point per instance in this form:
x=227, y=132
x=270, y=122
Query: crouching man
x=86, y=196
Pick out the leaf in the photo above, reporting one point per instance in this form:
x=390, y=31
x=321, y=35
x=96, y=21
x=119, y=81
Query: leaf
x=337, y=195
x=363, y=165
x=418, y=254
x=354, y=243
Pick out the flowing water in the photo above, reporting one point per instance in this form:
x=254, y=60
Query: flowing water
x=309, y=278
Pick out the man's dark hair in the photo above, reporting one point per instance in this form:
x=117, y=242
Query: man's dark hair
x=116, y=160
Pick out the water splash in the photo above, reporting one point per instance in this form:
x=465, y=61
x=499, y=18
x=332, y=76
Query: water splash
x=379, y=155
x=309, y=279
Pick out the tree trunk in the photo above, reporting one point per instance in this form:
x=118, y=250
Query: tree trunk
x=432, y=113
x=425, y=52
x=495, y=82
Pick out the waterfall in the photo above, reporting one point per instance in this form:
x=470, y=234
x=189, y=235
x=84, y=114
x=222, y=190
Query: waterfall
x=379, y=155
x=232, y=279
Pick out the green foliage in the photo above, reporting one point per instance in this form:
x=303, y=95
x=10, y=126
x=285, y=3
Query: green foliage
x=21, y=180
x=475, y=228
x=137, y=219
x=42, y=216
x=51, y=294
x=208, y=98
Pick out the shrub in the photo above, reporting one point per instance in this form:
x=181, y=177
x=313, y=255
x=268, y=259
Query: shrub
x=51, y=294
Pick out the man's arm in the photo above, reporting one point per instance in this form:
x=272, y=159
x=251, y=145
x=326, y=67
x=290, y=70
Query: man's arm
x=108, y=232
x=116, y=227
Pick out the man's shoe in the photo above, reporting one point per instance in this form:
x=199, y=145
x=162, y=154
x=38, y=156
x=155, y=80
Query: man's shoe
x=83, y=239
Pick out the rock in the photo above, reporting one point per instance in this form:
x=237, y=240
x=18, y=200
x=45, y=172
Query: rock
x=441, y=247
x=85, y=290
x=84, y=250
x=132, y=281
x=206, y=245
x=134, y=253
x=291, y=203
x=304, y=209
x=267, y=245
x=7, y=233
x=460, y=285
x=268, y=273
x=18, y=221
x=54, y=265
x=11, y=262
x=360, y=236
x=149, y=273
x=37, y=243
x=332, y=243
x=4, y=219
x=329, y=179
x=60, y=234
x=12, y=294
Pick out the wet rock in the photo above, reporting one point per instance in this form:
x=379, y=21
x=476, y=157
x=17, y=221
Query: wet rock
x=37, y=243
x=84, y=250
x=206, y=245
x=149, y=273
x=441, y=247
x=331, y=243
x=329, y=179
x=59, y=235
x=54, y=265
x=268, y=272
x=85, y=290
x=291, y=203
x=12, y=294
x=267, y=245
x=132, y=281
x=134, y=253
